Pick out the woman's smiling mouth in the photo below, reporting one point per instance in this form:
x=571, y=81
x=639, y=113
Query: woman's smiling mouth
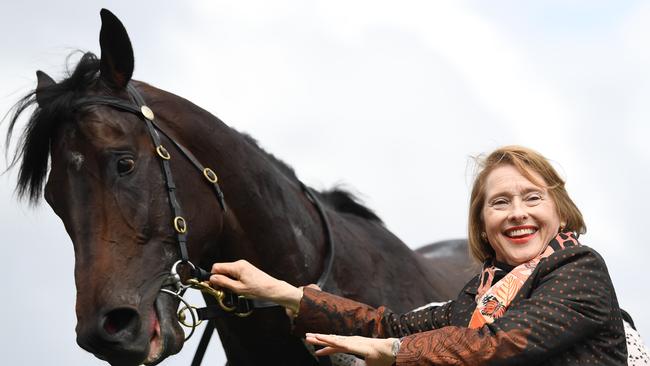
x=520, y=234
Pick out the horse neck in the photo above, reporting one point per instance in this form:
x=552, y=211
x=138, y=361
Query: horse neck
x=269, y=220
x=271, y=223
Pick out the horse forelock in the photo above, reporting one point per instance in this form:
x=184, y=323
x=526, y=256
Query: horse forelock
x=55, y=108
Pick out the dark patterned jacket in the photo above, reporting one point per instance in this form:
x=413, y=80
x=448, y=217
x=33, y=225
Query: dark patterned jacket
x=565, y=314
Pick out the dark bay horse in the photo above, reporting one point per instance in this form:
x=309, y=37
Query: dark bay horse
x=106, y=184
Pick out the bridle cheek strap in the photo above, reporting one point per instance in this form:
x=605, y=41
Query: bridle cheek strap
x=142, y=111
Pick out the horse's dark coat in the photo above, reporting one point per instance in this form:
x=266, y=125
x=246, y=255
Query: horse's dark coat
x=119, y=224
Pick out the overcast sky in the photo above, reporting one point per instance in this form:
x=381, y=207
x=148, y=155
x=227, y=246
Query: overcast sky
x=389, y=98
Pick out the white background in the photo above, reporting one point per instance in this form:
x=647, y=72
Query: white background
x=389, y=98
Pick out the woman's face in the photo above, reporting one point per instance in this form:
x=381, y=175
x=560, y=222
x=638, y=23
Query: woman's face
x=520, y=217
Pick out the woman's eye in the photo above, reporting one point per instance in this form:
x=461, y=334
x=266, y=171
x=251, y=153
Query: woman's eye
x=534, y=198
x=499, y=203
x=125, y=166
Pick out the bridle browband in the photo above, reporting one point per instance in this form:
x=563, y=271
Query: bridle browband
x=229, y=303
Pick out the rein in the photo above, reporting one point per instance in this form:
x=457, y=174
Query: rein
x=229, y=303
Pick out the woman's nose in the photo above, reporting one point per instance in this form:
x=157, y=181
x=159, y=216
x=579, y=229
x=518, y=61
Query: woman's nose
x=518, y=211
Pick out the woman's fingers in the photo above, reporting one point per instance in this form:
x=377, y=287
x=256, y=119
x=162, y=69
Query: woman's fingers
x=315, y=341
x=245, y=279
x=231, y=269
x=218, y=280
x=336, y=341
x=331, y=343
x=326, y=351
x=314, y=286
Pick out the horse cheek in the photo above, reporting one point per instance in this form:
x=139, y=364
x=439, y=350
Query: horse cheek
x=133, y=203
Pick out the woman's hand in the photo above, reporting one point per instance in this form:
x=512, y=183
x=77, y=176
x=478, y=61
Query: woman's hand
x=245, y=279
x=376, y=351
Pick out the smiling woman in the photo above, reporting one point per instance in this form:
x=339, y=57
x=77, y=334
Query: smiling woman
x=541, y=298
x=518, y=204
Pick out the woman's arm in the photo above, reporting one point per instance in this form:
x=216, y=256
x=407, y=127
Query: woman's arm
x=322, y=312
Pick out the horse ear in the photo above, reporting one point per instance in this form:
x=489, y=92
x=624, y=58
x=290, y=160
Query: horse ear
x=116, y=65
x=44, y=81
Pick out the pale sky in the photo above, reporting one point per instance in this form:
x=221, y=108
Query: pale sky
x=389, y=98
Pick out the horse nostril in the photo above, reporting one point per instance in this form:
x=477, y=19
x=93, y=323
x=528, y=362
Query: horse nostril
x=119, y=320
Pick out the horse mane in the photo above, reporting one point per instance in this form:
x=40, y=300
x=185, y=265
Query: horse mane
x=53, y=109
x=338, y=198
x=277, y=162
x=345, y=201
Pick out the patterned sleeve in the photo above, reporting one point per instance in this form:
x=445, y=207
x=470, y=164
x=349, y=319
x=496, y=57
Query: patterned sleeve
x=321, y=312
x=570, y=302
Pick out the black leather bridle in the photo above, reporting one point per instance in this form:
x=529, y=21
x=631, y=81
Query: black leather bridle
x=229, y=303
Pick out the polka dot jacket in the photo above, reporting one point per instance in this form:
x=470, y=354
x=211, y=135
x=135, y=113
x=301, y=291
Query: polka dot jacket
x=565, y=314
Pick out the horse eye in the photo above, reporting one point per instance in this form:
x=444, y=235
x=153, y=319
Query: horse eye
x=125, y=166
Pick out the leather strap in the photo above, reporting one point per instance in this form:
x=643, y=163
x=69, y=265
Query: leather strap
x=329, y=260
x=203, y=343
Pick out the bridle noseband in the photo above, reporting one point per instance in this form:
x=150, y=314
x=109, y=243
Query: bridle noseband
x=229, y=303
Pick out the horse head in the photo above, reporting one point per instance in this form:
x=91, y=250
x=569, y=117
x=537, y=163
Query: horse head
x=106, y=184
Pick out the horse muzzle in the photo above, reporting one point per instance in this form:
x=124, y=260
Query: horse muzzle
x=125, y=336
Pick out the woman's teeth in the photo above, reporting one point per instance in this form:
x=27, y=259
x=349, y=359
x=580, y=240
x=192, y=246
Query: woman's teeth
x=520, y=232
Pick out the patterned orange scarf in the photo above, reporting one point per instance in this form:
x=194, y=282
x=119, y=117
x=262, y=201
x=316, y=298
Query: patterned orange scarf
x=493, y=300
